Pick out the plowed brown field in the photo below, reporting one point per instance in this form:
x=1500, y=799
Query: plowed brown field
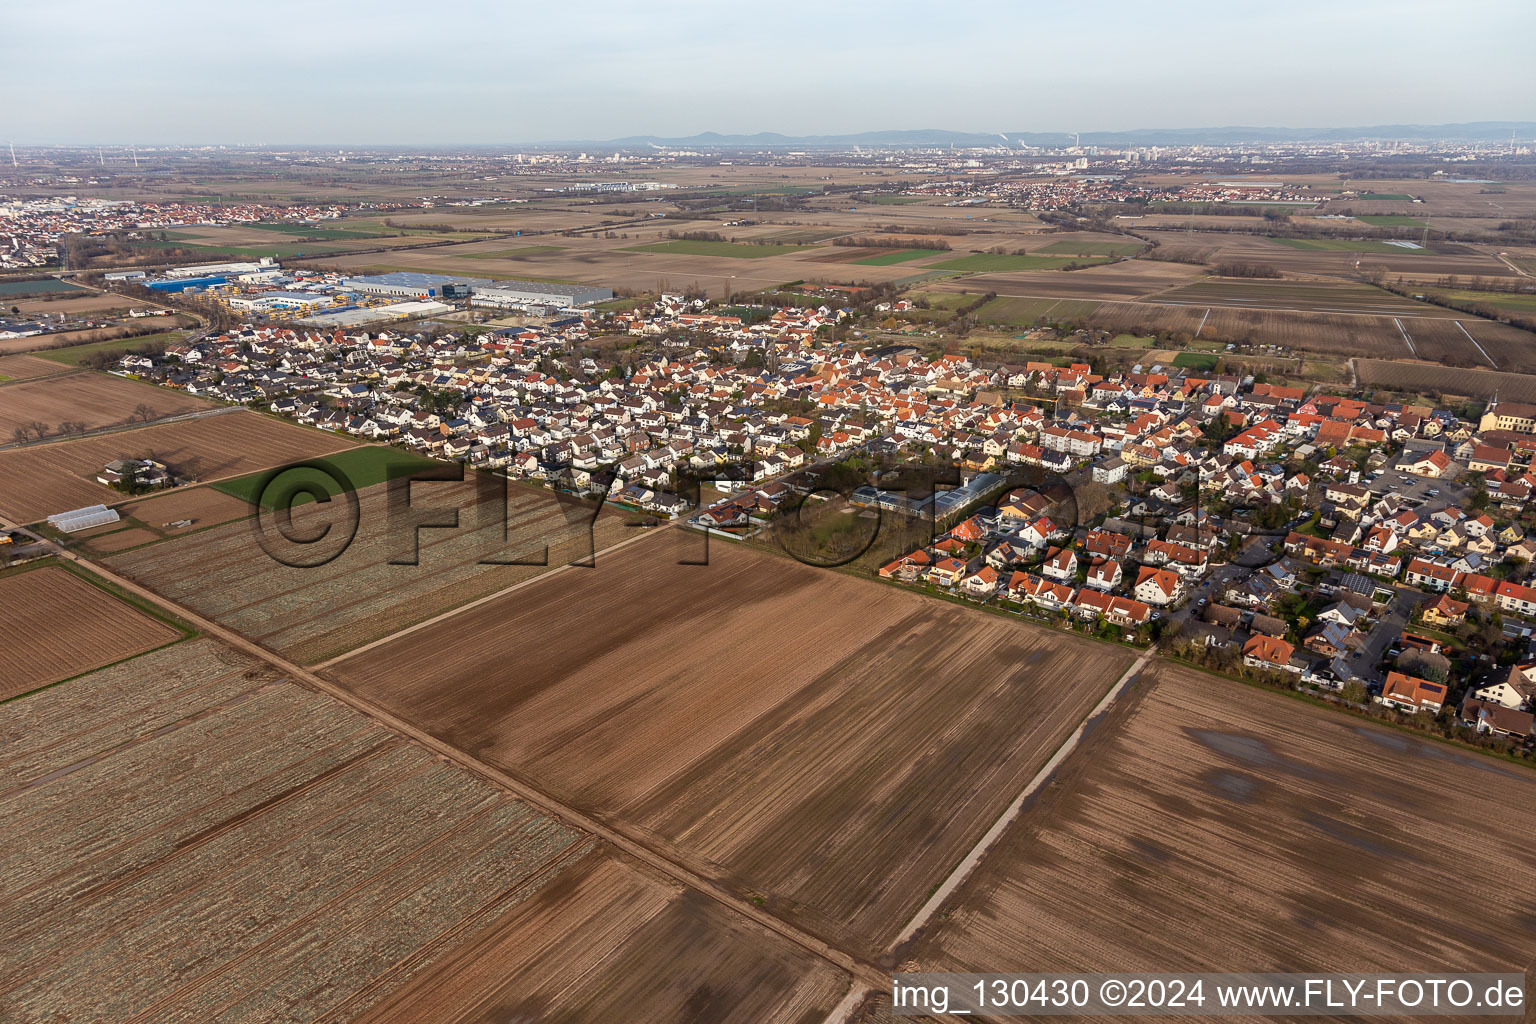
x=57, y=625
x=95, y=399
x=19, y=368
x=48, y=478
x=192, y=839
x=1209, y=826
x=829, y=745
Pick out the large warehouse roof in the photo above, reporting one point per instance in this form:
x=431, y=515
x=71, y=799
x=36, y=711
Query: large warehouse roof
x=412, y=279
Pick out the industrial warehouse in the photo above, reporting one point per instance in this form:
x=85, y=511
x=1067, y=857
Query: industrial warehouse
x=329, y=299
x=535, y=296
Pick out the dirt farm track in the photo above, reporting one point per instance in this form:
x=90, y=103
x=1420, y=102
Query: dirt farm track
x=754, y=716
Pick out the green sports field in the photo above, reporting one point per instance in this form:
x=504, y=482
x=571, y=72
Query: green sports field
x=362, y=467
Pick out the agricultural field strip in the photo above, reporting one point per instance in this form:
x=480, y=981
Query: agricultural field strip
x=200, y=833
x=535, y=798
x=1193, y=839
x=967, y=687
x=1153, y=299
x=70, y=626
x=78, y=475
x=450, y=613
x=968, y=865
x=212, y=571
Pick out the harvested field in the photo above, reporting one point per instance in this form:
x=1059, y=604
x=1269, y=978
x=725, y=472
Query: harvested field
x=120, y=540
x=992, y=262
x=1224, y=248
x=205, y=506
x=1339, y=334
x=58, y=625
x=1209, y=826
x=1428, y=378
x=1128, y=279
x=95, y=399
x=730, y=250
x=194, y=840
x=56, y=477
x=1091, y=246
x=658, y=955
x=878, y=753
x=23, y=367
x=1299, y=296
x=73, y=306
x=312, y=614
x=1141, y=318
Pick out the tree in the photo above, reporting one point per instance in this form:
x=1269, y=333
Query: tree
x=1355, y=692
x=143, y=411
x=1424, y=664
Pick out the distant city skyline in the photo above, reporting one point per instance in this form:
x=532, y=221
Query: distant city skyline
x=286, y=73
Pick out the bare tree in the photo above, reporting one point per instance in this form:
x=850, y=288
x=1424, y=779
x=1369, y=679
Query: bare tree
x=143, y=411
x=39, y=428
x=20, y=434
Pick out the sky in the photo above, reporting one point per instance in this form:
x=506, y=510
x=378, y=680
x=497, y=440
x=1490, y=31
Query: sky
x=355, y=73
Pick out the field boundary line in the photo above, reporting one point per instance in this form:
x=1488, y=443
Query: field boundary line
x=1407, y=340
x=531, y=795
x=477, y=602
x=1203, y=319
x=1474, y=341
x=969, y=863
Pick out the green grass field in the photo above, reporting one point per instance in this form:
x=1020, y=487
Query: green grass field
x=733, y=250
x=1093, y=248
x=1397, y=196
x=1345, y=245
x=1391, y=220
x=1203, y=361
x=1525, y=303
x=993, y=261
x=886, y=259
x=74, y=355
x=892, y=200
x=35, y=287
x=363, y=467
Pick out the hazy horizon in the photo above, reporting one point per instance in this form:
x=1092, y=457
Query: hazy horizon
x=483, y=74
